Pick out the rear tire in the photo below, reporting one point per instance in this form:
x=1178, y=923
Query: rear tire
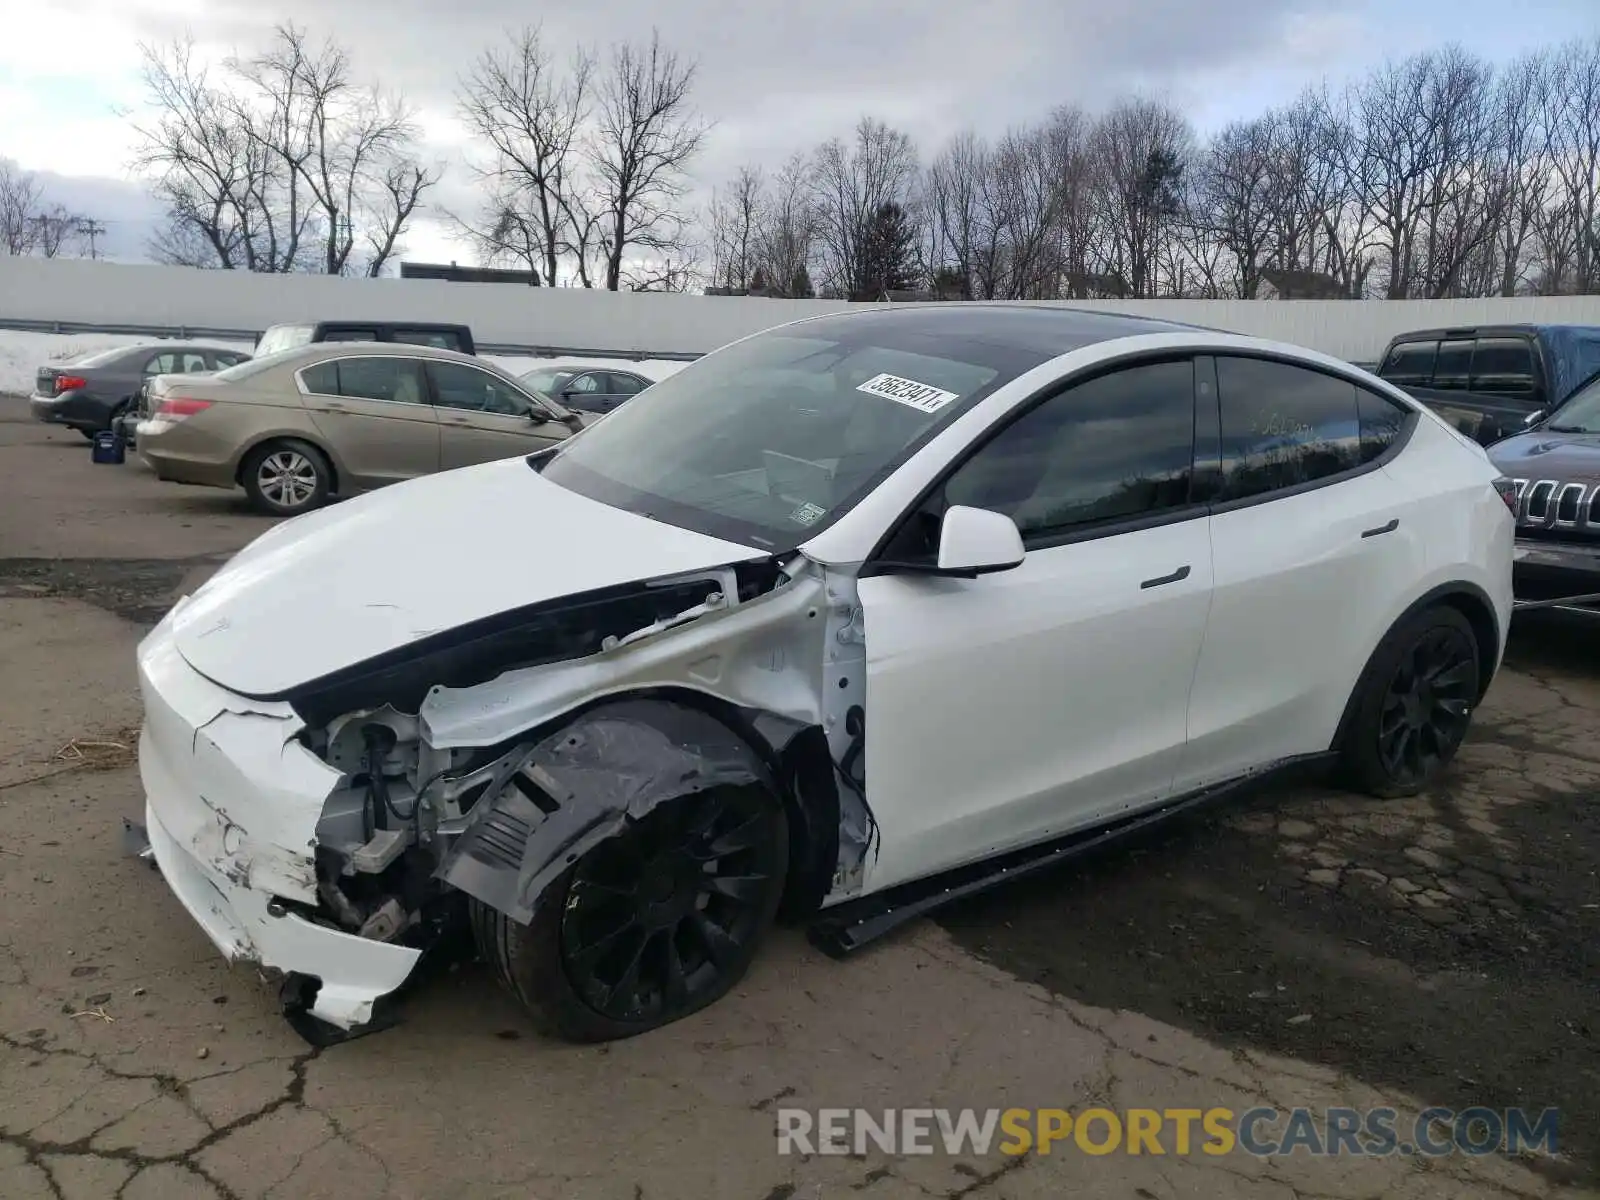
x=284, y=478
x=1413, y=704
x=653, y=924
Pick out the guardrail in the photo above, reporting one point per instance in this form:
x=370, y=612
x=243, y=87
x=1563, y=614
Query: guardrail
x=250, y=335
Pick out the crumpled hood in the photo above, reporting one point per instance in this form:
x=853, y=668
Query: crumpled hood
x=338, y=586
x=1540, y=454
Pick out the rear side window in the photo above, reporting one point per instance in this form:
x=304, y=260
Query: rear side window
x=1382, y=421
x=1452, y=370
x=438, y=338
x=624, y=385
x=1283, y=426
x=1114, y=448
x=1410, y=364
x=1503, y=366
x=397, y=380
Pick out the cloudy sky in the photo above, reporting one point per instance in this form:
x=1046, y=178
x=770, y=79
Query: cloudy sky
x=775, y=75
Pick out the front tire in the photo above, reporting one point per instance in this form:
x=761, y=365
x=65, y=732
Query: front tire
x=1413, y=704
x=651, y=925
x=285, y=478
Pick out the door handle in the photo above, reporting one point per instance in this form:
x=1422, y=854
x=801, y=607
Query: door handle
x=455, y=421
x=1394, y=523
x=1180, y=574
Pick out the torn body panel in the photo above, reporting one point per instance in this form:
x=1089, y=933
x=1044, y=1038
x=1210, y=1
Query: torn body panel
x=232, y=804
x=560, y=796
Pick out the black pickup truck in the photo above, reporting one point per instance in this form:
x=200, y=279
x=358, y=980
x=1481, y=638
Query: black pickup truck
x=1492, y=381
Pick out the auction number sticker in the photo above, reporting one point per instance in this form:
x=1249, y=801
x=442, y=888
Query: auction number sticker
x=923, y=397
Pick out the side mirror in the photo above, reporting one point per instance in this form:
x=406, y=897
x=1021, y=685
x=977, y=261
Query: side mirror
x=1534, y=418
x=976, y=541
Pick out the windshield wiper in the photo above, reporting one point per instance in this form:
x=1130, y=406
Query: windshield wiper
x=1569, y=429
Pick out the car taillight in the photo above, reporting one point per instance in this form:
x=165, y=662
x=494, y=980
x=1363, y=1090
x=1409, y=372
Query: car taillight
x=177, y=409
x=1507, y=489
x=67, y=383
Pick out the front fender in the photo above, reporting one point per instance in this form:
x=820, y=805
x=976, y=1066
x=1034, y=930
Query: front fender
x=587, y=779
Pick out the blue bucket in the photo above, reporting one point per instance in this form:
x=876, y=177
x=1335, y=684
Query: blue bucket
x=109, y=447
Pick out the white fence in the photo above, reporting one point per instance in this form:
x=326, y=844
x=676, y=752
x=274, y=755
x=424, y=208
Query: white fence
x=575, y=320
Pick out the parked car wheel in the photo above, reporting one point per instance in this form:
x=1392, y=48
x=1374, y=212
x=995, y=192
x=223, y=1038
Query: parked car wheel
x=1414, y=704
x=652, y=924
x=283, y=478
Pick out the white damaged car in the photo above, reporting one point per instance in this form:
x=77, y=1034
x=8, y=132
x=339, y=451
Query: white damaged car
x=857, y=615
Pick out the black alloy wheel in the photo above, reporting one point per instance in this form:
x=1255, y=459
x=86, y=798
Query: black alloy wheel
x=1428, y=705
x=663, y=918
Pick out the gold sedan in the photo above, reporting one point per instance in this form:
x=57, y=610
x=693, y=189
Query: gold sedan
x=341, y=417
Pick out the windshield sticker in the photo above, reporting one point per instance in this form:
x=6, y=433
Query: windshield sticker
x=920, y=396
x=807, y=514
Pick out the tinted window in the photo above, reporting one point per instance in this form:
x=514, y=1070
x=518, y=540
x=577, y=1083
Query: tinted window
x=1113, y=448
x=349, y=335
x=1504, y=366
x=227, y=358
x=1381, y=422
x=1410, y=364
x=459, y=386
x=1283, y=425
x=398, y=380
x=1453, y=368
x=428, y=337
x=620, y=384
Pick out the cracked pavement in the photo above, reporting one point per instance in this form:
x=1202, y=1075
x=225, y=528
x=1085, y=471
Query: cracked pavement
x=1440, y=948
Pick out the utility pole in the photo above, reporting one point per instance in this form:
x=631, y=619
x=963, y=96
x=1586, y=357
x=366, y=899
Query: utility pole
x=93, y=230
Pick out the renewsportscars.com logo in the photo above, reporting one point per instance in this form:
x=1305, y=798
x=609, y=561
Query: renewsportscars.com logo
x=1260, y=1132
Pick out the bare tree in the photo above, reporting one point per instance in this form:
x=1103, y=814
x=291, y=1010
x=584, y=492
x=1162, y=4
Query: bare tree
x=283, y=152
x=1235, y=200
x=1142, y=149
x=645, y=136
x=530, y=115
x=19, y=200
x=1572, y=147
x=852, y=184
x=736, y=214
x=786, y=235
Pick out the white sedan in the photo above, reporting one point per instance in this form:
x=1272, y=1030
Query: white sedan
x=857, y=614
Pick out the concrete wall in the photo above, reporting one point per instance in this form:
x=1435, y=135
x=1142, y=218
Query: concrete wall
x=574, y=319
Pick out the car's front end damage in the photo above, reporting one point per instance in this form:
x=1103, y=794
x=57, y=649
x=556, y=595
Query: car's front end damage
x=327, y=832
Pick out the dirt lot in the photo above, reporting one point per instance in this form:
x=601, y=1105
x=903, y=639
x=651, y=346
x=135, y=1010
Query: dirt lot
x=1307, y=948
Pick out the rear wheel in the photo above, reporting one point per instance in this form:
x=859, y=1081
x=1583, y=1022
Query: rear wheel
x=652, y=924
x=1413, y=705
x=283, y=478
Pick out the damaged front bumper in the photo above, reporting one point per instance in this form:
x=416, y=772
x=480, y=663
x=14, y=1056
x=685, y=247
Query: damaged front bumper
x=232, y=803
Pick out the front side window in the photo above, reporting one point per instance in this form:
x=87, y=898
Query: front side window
x=549, y=380
x=396, y=380
x=1114, y=448
x=767, y=440
x=459, y=386
x=1503, y=366
x=1283, y=426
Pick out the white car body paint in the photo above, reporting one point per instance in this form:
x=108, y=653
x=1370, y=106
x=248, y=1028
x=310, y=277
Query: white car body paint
x=1002, y=709
x=231, y=808
x=337, y=586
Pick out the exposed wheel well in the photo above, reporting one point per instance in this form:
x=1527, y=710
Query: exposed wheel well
x=333, y=467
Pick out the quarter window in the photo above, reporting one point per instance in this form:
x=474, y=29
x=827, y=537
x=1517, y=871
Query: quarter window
x=1382, y=421
x=1283, y=426
x=397, y=380
x=1113, y=448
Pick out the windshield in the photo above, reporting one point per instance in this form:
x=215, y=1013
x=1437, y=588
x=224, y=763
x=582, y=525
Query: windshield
x=283, y=337
x=546, y=379
x=1581, y=413
x=767, y=440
